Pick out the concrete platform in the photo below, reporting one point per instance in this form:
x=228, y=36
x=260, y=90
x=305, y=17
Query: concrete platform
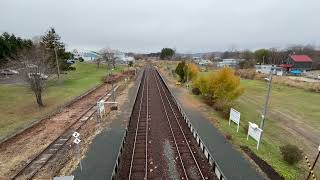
x=231, y=162
x=100, y=160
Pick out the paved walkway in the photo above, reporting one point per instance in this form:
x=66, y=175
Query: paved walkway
x=231, y=162
x=100, y=160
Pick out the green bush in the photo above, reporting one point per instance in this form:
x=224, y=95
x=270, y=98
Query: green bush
x=195, y=91
x=291, y=154
x=81, y=59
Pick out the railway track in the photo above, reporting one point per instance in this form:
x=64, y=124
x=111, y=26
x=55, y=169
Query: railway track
x=139, y=164
x=155, y=120
x=183, y=149
x=40, y=160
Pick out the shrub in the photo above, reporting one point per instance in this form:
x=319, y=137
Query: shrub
x=71, y=68
x=183, y=70
x=202, y=84
x=180, y=70
x=196, y=91
x=81, y=59
x=220, y=89
x=191, y=70
x=229, y=137
x=246, y=73
x=246, y=128
x=291, y=154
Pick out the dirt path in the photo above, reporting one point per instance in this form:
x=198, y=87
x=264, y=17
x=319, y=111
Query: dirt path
x=16, y=152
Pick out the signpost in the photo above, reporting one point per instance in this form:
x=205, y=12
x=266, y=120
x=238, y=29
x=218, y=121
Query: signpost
x=235, y=117
x=101, y=109
x=255, y=132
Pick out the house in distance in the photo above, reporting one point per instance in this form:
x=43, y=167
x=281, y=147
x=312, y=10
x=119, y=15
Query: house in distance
x=301, y=63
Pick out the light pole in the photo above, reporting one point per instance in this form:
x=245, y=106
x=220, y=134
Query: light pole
x=265, y=109
x=112, y=86
x=187, y=75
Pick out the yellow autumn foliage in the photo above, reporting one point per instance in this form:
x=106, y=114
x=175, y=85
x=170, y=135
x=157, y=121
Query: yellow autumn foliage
x=221, y=87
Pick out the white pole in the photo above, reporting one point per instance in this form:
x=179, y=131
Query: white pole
x=265, y=109
x=188, y=75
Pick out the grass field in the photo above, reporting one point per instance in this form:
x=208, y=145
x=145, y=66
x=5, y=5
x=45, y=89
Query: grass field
x=293, y=118
x=18, y=107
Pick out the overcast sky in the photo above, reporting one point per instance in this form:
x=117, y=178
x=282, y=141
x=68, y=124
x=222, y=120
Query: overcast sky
x=148, y=25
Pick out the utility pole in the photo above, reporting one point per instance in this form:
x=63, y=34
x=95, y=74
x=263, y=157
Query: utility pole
x=187, y=75
x=57, y=62
x=265, y=109
x=112, y=84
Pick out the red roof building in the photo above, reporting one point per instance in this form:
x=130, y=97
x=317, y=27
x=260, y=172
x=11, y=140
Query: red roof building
x=297, y=62
x=301, y=58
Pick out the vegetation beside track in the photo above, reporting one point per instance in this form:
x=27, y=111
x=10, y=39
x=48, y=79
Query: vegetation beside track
x=18, y=107
x=289, y=108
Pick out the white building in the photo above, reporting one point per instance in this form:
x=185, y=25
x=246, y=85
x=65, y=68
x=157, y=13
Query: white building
x=121, y=58
x=87, y=56
x=266, y=68
x=204, y=62
x=229, y=62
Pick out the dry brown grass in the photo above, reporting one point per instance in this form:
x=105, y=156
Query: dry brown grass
x=282, y=80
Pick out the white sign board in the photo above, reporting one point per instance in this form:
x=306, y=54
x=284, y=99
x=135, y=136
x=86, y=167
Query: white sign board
x=76, y=134
x=235, y=117
x=101, y=109
x=76, y=140
x=255, y=132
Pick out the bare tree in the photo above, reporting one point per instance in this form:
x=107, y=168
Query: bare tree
x=34, y=67
x=209, y=56
x=98, y=61
x=277, y=56
x=108, y=55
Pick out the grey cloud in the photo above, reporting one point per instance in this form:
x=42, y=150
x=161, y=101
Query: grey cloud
x=148, y=25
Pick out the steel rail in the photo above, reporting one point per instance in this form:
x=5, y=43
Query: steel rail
x=137, y=127
x=171, y=130
x=147, y=128
x=60, y=147
x=181, y=128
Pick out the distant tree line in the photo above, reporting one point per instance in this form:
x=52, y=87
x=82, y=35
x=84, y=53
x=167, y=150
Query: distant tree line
x=10, y=45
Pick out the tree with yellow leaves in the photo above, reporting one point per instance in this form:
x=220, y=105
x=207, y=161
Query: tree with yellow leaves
x=220, y=88
x=192, y=70
x=186, y=70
